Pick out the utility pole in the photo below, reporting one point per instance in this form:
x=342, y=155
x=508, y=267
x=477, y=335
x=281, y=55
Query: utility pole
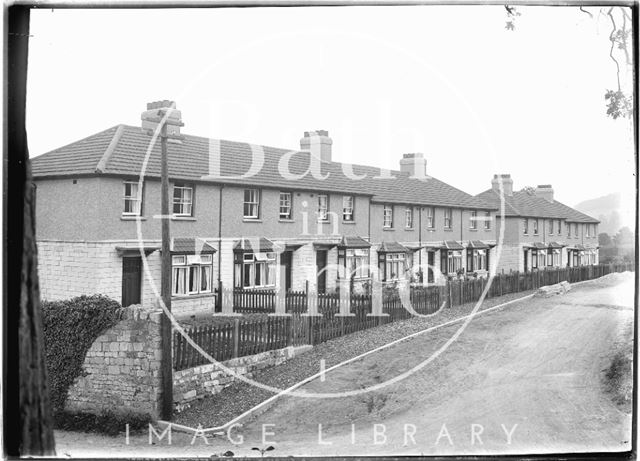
x=164, y=113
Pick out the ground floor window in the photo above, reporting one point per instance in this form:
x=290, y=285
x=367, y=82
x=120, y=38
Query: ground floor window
x=588, y=257
x=476, y=260
x=542, y=257
x=393, y=266
x=556, y=258
x=254, y=270
x=191, y=274
x=357, y=263
x=451, y=261
x=534, y=259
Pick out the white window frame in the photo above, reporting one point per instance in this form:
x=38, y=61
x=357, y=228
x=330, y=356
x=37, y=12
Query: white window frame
x=559, y=226
x=348, y=203
x=525, y=223
x=251, y=204
x=387, y=216
x=448, y=218
x=535, y=226
x=431, y=217
x=395, y=266
x=551, y=227
x=454, y=261
x=408, y=217
x=185, y=205
x=487, y=220
x=191, y=267
x=357, y=263
x=134, y=198
x=323, y=208
x=261, y=263
x=473, y=220
x=286, y=206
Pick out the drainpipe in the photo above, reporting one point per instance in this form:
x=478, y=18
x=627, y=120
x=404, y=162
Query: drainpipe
x=220, y=243
x=420, y=237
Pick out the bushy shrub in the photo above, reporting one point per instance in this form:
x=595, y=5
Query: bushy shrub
x=70, y=328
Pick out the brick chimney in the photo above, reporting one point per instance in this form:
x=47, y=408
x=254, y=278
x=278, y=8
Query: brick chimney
x=545, y=191
x=507, y=183
x=318, y=143
x=415, y=164
x=153, y=109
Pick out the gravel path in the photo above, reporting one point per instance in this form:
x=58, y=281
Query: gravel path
x=240, y=397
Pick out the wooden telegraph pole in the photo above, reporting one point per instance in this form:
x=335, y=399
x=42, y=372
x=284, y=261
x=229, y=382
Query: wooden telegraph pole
x=164, y=113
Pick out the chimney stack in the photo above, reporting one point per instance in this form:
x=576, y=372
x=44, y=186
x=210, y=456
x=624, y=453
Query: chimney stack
x=545, y=191
x=507, y=184
x=318, y=143
x=174, y=120
x=415, y=164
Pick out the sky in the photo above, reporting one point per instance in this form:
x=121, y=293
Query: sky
x=448, y=81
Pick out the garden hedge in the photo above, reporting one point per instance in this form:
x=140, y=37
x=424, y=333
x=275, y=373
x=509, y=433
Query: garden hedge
x=70, y=328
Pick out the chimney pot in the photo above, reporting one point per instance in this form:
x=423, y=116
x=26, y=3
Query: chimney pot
x=545, y=191
x=507, y=184
x=318, y=143
x=414, y=164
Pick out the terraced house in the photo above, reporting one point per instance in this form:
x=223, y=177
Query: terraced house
x=239, y=221
x=539, y=231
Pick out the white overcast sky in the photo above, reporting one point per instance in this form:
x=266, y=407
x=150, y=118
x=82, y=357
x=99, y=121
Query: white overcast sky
x=448, y=81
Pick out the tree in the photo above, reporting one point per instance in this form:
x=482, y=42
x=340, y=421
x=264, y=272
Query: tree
x=619, y=100
x=624, y=238
x=604, y=239
x=28, y=390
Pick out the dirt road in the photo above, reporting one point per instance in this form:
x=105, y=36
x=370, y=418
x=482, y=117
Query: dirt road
x=529, y=378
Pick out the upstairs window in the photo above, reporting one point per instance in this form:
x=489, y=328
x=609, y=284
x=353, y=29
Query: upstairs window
x=448, y=213
x=182, y=200
x=191, y=274
x=431, y=220
x=323, y=207
x=535, y=227
x=575, y=229
x=285, y=205
x=487, y=220
x=408, y=217
x=473, y=220
x=347, y=208
x=559, y=227
x=387, y=217
x=251, y=203
x=525, y=223
x=132, y=199
x=551, y=226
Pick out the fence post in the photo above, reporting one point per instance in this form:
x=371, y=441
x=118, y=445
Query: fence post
x=450, y=293
x=236, y=337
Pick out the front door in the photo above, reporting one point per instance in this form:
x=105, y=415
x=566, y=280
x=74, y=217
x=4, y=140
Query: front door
x=285, y=265
x=131, y=280
x=526, y=261
x=321, y=264
x=431, y=261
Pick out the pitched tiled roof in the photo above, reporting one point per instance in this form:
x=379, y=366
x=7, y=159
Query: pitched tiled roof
x=121, y=150
x=392, y=247
x=523, y=203
x=191, y=245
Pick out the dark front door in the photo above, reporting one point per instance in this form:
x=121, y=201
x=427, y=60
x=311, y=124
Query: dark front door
x=131, y=280
x=526, y=261
x=431, y=262
x=321, y=264
x=285, y=264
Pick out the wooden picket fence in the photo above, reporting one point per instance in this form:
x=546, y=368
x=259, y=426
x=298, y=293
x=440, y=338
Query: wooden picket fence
x=242, y=337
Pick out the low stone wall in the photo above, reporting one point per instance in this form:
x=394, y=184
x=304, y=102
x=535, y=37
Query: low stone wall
x=205, y=380
x=122, y=369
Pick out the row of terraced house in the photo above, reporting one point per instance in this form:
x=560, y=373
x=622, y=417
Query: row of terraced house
x=258, y=217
